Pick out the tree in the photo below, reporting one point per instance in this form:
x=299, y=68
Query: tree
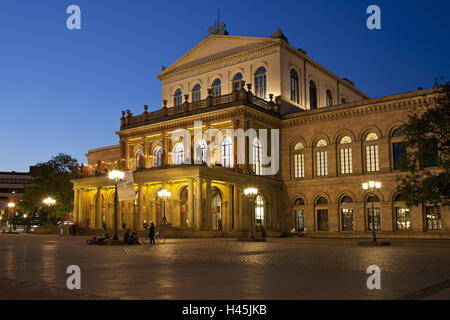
x=428, y=146
x=50, y=179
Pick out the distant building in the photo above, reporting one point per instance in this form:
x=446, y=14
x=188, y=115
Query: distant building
x=12, y=189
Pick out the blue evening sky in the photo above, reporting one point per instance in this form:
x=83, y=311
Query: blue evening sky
x=62, y=91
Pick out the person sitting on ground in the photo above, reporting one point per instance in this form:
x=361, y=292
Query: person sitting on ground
x=134, y=239
x=126, y=236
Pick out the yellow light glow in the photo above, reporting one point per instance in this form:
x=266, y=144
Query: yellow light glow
x=164, y=193
x=49, y=201
x=11, y=205
x=371, y=184
x=365, y=186
x=250, y=191
x=378, y=185
x=116, y=174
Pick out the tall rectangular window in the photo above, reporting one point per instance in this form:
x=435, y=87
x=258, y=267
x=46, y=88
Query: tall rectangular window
x=299, y=165
x=403, y=219
x=347, y=219
x=433, y=218
x=377, y=218
x=399, y=149
x=322, y=163
x=346, y=161
x=372, y=161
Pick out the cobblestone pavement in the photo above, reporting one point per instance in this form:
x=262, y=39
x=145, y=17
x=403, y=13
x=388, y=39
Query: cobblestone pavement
x=34, y=267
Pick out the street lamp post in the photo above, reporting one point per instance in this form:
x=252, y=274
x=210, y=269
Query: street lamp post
x=251, y=194
x=115, y=175
x=50, y=202
x=372, y=186
x=164, y=194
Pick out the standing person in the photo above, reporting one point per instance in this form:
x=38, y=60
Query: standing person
x=61, y=230
x=151, y=234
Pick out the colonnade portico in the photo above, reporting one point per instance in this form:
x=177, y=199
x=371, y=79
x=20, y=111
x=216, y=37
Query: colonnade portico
x=214, y=202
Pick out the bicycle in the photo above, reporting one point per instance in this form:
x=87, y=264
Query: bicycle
x=159, y=238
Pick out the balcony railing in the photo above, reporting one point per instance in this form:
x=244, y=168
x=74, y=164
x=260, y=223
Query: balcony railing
x=237, y=97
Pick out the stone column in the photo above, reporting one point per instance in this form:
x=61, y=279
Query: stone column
x=141, y=218
x=230, y=208
x=127, y=155
x=191, y=202
x=146, y=155
x=98, y=212
x=198, y=204
x=75, y=206
x=208, y=217
x=236, y=205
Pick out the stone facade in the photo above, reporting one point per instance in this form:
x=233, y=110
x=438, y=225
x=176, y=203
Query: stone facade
x=326, y=153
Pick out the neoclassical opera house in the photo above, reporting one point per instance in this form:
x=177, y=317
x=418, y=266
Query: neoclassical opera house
x=332, y=138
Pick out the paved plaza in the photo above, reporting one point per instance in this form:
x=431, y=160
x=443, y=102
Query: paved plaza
x=34, y=267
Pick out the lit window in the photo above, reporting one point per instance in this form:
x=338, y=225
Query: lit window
x=371, y=136
x=177, y=98
x=200, y=151
x=196, y=95
x=216, y=88
x=226, y=147
x=257, y=156
x=345, y=155
x=139, y=153
x=433, y=218
x=299, y=161
x=260, y=83
x=321, y=143
x=178, y=151
x=259, y=213
x=376, y=211
x=372, y=159
x=294, y=87
x=321, y=158
x=158, y=157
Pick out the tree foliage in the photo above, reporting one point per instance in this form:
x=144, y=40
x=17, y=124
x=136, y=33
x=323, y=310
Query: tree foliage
x=50, y=179
x=428, y=147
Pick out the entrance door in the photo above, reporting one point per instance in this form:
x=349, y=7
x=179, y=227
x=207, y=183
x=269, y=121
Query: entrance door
x=322, y=219
x=299, y=220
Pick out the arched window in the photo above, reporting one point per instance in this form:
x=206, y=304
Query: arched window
x=345, y=155
x=321, y=158
x=299, y=214
x=260, y=82
x=177, y=98
x=226, y=148
x=312, y=95
x=398, y=148
x=196, y=93
x=329, y=98
x=257, y=156
x=139, y=153
x=200, y=151
x=184, y=202
x=158, y=157
x=237, y=81
x=294, y=87
x=216, y=88
x=402, y=215
x=259, y=213
x=376, y=210
x=216, y=210
x=322, y=214
x=299, y=160
x=371, y=148
x=178, y=152
x=347, y=213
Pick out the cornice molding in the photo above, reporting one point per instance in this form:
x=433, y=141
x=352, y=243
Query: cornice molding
x=224, y=62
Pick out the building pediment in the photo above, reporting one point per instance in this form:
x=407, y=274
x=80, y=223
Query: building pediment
x=215, y=47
